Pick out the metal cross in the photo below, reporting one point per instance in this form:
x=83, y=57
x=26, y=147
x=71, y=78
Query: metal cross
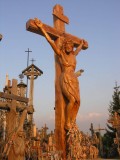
x=32, y=60
x=28, y=51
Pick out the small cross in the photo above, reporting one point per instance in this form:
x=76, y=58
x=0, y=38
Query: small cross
x=45, y=129
x=91, y=129
x=21, y=76
x=32, y=60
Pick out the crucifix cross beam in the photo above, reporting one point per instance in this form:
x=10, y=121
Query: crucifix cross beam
x=12, y=96
x=53, y=33
x=8, y=100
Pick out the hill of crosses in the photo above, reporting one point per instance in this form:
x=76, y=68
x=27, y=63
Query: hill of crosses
x=20, y=139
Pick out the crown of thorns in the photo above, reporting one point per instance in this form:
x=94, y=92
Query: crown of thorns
x=68, y=41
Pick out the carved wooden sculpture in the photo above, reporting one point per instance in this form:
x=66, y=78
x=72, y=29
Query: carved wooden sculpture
x=67, y=99
x=68, y=79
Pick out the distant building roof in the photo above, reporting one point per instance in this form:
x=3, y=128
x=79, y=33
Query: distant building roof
x=21, y=84
x=31, y=67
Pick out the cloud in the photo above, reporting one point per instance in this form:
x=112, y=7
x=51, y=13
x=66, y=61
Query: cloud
x=93, y=115
x=98, y=119
x=83, y=120
x=90, y=116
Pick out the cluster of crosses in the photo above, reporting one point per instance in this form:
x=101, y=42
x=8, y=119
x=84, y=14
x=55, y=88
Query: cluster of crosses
x=15, y=106
x=115, y=121
x=13, y=98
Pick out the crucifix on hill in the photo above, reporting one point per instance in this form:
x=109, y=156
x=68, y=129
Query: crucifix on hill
x=56, y=37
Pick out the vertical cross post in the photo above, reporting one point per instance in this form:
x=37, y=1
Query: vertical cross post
x=12, y=116
x=28, y=51
x=32, y=72
x=59, y=24
x=91, y=129
x=99, y=129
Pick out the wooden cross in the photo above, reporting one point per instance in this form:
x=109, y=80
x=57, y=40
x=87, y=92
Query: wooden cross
x=12, y=102
x=99, y=129
x=92, y=129
x=55, y=32
x=7, y=99
x=45, y=128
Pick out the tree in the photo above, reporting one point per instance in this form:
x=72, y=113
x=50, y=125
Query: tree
x=108, y=139
x=115, y=104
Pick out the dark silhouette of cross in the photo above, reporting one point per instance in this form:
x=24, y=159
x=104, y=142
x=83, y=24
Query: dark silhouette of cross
x=28, y=51
x=32, y=60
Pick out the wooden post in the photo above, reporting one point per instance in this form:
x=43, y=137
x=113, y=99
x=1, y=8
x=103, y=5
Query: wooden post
x=59, y=24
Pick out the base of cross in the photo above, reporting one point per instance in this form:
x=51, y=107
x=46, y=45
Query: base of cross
x=79, y=145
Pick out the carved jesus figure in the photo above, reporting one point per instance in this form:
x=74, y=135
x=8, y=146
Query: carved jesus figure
x=68, y=79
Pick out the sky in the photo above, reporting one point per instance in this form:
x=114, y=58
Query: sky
x=98, y=22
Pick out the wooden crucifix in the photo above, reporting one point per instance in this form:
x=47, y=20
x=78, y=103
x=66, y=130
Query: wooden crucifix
x=56, y=33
